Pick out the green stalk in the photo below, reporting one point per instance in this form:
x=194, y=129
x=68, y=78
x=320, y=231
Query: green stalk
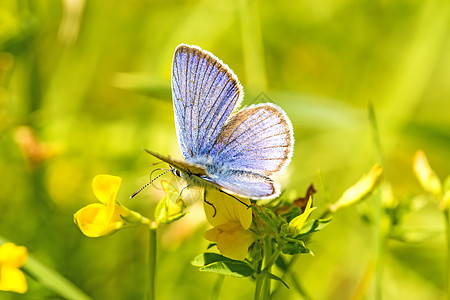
x=152, y=262
x=217, y=287
x=262, y=289
x=298, y=287
x=267, y=266
x=259, y=283
x=447, y=228
x=53, y=280
x=379, y=246
x=272, y=259
x=380, y=238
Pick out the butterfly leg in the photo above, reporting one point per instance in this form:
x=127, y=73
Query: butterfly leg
x=246, y=205
x=207, y=202
x=181, y=191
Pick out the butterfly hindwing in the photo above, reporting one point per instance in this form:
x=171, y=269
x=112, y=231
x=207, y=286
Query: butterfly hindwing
x=248, y=185
x=205, y=92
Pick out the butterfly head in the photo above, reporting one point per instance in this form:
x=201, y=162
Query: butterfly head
x=175, y=171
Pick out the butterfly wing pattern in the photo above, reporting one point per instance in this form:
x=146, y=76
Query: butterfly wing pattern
x=237, y=149
x=204, y=92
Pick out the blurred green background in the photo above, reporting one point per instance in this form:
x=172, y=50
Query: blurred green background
x=84, y=85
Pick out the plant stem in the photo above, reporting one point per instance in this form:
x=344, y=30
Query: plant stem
x=262, y=289
x=272, y=259
x=268, y=262
x=380, y=235
x=259, y=282
x=447, y=228
x=298, y=287
x=217, y=287
x=152, y=262
x=379, y=246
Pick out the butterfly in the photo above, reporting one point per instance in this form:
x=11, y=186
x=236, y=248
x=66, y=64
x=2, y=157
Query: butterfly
x=223, y=147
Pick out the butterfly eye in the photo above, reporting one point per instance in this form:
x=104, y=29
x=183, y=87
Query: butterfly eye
x=176, y=172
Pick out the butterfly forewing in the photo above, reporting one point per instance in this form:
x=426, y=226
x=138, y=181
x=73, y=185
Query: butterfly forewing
x=205, y=92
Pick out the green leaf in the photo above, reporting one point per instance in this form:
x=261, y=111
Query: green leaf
x=219, y=264
x=281, y=264
x=211, y=245
x=275, y=277
x=208, y=258
x=237, y=269
x=268, y=217
x=293, y=246
x=314, y=225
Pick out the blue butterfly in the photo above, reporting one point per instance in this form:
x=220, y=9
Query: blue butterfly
x=232, y=150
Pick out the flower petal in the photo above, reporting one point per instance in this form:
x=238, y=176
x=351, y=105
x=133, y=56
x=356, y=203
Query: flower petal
x=171, y=207
x=12, y=279
x=92, y=220
x=212, y=235
x=105, y=187
x=170, y=191
x=12, y=255
x=117, y=219
x=227, y=209
x=245, y=213
x=426, y=175
x=359, y=190
x=214, y=210
x=233, y=241
x=297, y=223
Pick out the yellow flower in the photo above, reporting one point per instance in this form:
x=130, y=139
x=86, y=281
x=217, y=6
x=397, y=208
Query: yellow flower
x=171, y=207
x=297, y=223
x=427, y=177
x=103, y=218
x=12, y=257
x=359, y=190
x=231, y=220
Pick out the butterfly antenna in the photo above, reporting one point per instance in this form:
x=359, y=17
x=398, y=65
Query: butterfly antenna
x=150, y=182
